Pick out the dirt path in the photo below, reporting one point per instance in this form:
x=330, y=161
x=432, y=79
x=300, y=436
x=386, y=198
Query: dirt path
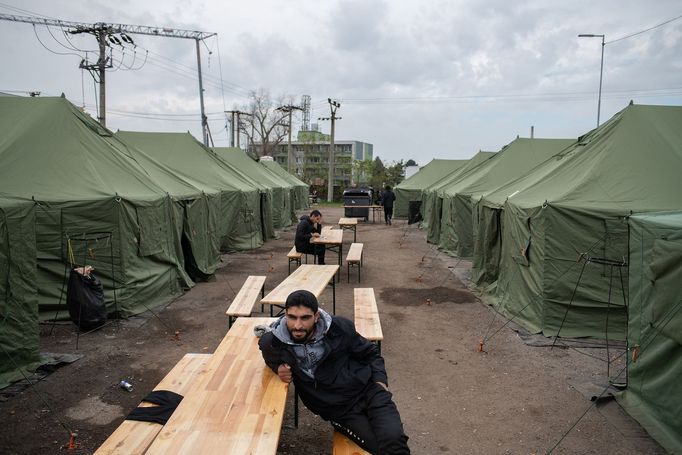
x=512, y=399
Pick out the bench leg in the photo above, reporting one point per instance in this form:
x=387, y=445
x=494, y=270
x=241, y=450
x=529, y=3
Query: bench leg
x=262, y=295
x=229, y=322
x=295, y=407
x=334, y=294
x=359, y=267
x=379, y=346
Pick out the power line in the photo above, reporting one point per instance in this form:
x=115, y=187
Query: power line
x=645, y=30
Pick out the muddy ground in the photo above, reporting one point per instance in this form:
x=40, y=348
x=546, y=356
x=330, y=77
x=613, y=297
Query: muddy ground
x=510, y=399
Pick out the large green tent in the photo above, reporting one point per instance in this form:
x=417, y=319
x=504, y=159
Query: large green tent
x=410, y=190
x=460, y=197
x=564, y=237
x=19, y=334
x=242, y=216
x=93, y=203
x=280, y=191
x=300, y=188
x=432, y=200
x=654, y=369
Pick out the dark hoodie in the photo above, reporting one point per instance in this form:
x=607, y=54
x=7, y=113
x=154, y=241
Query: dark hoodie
x=349, y=364
x=304, y=232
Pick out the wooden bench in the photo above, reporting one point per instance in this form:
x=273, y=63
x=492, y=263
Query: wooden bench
x=354, y=258
x=134, y=437
x=341, y=445
x=243, y=302
x=367, y=321
x=295, y=256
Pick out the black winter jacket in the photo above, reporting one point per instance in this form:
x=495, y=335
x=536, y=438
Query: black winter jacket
x=304, y=231
x=350, y=365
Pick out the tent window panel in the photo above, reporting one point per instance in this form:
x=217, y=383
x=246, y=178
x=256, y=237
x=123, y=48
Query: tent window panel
x=665, y=270
x=48, y=233
x=615, y=241
x=522, y=256
x=152, y=230
x=4, y=258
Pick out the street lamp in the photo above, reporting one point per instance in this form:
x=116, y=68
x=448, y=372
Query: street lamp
x=601, y=69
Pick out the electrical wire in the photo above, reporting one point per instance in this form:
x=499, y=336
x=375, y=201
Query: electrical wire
x=643, y=31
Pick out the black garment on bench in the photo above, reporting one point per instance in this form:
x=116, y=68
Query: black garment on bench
x=167, y=402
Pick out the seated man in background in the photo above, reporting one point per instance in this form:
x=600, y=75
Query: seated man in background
x=338, y=374
x=310, y=227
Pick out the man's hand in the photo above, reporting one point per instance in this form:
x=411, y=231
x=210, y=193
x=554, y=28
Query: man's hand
x=316, y=234
x=383, y=385
x=284, y=373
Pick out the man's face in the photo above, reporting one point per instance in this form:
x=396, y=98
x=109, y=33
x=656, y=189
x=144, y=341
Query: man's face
x=301, y=322
x=316, y=219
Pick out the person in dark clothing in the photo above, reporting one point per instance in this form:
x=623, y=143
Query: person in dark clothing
x=387, y=198
x=308, y=228
x=338, y=374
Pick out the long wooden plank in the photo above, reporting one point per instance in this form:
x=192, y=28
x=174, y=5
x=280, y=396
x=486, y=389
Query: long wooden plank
x=236, y=408
x=348, y=221
x=329, y=237
x=313, y=278
x=243, y=302
x=354, y=252
x=367, y=321
x=133, y=437
x=341, y=445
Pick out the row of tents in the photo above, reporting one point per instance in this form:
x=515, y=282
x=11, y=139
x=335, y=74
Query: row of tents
x=151, y=212
x=577, y=238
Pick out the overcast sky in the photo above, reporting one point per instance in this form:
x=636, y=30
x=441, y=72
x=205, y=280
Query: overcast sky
x=418, y=79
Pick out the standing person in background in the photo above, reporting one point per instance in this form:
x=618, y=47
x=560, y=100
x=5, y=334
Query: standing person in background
x=387, y=198
x=308, y=228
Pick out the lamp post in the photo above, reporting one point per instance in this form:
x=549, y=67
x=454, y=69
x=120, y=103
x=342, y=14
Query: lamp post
x=601, y=69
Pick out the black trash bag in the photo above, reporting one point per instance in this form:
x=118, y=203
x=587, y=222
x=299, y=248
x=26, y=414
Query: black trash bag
x=414, y=214
x=85, y=300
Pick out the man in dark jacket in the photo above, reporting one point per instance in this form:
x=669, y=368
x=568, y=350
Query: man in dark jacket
x=338, y=374
x=308, y=228
x=387, y=198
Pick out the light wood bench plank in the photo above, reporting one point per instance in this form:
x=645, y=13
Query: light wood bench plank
x=134, y=437
x=341, y=445
x=246, y=298
x=294, y=256
x=367, y=321
x=354, y=258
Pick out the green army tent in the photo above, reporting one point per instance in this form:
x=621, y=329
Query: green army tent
x=280, y=191
x=432, y=200
x=654, y=390
x=240, y=217
x=410, y=190
x=300, y=188
x=92, y=199
x=564, y=238
x=461, y=196
x=19, y=334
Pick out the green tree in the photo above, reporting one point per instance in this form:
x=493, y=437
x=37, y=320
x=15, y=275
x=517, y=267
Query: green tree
x=411, y=162
x=395, y=173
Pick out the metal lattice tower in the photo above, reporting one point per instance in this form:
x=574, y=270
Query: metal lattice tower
x=305, y=106
x=104, y=33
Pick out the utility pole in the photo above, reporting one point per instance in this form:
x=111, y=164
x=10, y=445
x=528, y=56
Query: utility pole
x=234, y=130
x=333, y=106
x=289, y=108
x=104, y=32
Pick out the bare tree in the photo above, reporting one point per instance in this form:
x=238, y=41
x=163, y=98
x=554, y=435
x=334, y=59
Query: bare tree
x=264, y=125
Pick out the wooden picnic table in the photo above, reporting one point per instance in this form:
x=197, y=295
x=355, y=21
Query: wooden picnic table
x=313, y=278
x=332, y=239
x=236, y=407
x=349, y=224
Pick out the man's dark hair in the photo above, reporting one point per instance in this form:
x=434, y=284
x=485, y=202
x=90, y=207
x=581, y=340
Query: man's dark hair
x=388, y=187
x=315, y=213
x=302, y=298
